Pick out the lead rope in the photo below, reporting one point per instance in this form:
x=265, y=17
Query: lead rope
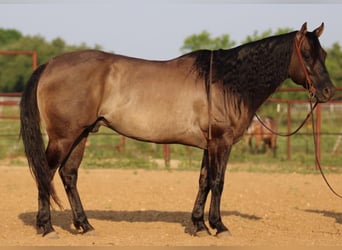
x=293, y=132
x=209, y=95
x=312, y=92
x=317, y=162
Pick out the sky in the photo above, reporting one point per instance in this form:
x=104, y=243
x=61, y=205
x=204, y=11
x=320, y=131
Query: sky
x=156, y=29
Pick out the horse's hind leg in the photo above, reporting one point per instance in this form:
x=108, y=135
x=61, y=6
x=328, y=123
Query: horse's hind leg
x=44, y=215
x=69, y=173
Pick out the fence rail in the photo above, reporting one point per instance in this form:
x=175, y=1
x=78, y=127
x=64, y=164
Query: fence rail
x=292, y=112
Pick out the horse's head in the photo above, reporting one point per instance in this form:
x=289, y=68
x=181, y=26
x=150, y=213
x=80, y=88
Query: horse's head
x=307, y=66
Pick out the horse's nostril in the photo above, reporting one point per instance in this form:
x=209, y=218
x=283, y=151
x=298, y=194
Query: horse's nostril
x=328, y=92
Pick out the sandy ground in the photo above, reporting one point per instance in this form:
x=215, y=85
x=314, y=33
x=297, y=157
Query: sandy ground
x=152, y=208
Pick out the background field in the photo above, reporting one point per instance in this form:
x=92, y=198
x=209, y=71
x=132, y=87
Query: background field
x=103, y=147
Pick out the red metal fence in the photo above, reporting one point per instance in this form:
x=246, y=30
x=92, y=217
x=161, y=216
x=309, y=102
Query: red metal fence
x=33, y=54
x=12, y=99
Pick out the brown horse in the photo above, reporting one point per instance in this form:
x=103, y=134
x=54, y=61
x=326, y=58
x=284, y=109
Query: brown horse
x=204, y=99
x=261, y=134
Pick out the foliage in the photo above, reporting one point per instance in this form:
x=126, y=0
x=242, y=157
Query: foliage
x=204, y=40
x=256, y=36
x=334, y=63
x=9, y=35
x=16, y=69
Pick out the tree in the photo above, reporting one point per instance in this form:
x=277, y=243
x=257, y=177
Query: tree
x=15, y=70
x=9, y=35
x=256, y=36
x=204, y=40
x=334, y=63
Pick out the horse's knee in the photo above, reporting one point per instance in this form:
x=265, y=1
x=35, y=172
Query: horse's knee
x=68, y=177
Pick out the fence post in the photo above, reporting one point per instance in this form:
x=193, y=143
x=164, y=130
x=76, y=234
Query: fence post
x=318, y=131
x=167, y=155
x=288, y=130
x=34, y=60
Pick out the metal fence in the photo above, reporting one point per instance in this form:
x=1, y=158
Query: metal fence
x=287, y=114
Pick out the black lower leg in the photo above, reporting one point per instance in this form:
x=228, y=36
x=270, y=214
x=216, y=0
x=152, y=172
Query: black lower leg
x=219, y=153
x=198, y=210
x=215, y=220
x=44, y=216
x=79, y=217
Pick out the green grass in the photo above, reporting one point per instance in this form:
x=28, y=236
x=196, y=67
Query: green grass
x=102, y=150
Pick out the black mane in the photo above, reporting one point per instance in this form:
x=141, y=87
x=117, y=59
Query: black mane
x=256, y=68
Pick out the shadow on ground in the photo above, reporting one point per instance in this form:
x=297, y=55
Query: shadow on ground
x=335, y=215
x=63, y=219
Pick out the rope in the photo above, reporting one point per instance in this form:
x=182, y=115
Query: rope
x=209, y=95
x=293, y=132
x=312, y=92
x=318, y=164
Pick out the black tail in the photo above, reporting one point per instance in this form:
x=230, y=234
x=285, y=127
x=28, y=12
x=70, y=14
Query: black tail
x=33, y=139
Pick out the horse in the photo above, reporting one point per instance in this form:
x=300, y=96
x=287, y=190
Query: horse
x=261, y=134
x=205, y=99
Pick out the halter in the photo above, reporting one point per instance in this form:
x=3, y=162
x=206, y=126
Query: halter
x=312, y=92
x=310, y=87
x=308, y=81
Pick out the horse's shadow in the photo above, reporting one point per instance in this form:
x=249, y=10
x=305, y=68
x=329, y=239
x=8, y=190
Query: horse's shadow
x=63, y=219
x=335, y=215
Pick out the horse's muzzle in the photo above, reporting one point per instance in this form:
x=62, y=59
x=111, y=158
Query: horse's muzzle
x=326, y=94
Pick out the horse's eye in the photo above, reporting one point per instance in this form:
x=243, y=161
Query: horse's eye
x=306, y=55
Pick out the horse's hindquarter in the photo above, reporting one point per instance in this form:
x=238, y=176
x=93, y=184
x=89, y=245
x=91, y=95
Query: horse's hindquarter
x=155, y=101
x=69, y=91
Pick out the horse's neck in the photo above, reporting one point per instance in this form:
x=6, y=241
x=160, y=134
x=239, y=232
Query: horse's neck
x=254, y=71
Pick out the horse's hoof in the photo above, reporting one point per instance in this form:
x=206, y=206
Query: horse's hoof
x=223, y=235
x=52, y=235
x=202, y=233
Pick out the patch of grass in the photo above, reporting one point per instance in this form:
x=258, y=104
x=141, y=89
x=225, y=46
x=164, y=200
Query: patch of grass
x=103, y=151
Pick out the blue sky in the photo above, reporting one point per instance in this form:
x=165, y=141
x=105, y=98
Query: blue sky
x=156, y=29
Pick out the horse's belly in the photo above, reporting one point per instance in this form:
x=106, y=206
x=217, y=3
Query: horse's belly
x=152, y=125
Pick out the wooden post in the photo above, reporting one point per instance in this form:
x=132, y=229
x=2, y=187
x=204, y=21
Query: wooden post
x=167, y=155
x=288, y=130
x=34, y=60
x=337, y=144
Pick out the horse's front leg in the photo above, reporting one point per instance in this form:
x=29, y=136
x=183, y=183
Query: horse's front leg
x=198, y=212
x=219, y=150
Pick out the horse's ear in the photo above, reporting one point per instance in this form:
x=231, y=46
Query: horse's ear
x=302, y=31
x=319, y=30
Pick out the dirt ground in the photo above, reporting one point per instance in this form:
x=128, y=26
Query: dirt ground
x=152, y=208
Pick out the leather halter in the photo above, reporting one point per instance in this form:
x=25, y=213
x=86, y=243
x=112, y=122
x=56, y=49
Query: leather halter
x=309, y=83
x=312, y=92
x=310, y=87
